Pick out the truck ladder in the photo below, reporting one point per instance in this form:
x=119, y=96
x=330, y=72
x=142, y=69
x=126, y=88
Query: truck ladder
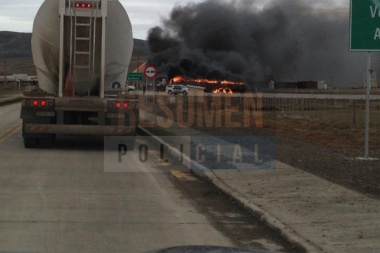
x=82, y=54
x=83, y=20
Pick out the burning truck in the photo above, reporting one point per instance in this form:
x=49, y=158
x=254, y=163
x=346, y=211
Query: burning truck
x=211, y=86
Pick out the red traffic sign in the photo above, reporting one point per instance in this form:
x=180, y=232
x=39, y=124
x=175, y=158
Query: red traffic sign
x=150, y=71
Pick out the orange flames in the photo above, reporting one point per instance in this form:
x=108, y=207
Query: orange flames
x=222, y=91
x=218, y=87
x=180, y=79
x=177, y=79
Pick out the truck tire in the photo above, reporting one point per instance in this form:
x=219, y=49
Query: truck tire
x=30, y=142
x=37, y=141
x=40, y=142
x=46, y=141
x=170, y=92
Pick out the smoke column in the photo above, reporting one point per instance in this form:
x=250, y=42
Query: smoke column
x=244, y=40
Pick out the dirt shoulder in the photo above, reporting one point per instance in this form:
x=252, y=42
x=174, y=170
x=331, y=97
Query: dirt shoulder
x=335, y=164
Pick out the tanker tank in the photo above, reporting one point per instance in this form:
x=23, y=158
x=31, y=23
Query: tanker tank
x=46, y=44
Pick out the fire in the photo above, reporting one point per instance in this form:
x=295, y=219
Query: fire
x=180, y=79
x=214, y=86
x=222, y=91
x=231, y=82
x=177, y=79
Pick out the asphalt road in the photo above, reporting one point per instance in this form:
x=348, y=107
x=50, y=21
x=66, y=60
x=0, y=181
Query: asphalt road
x=70, y=199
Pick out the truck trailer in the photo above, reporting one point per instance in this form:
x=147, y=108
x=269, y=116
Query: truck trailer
x=81, y=50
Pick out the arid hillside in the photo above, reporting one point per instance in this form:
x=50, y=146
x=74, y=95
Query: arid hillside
x=16, y=54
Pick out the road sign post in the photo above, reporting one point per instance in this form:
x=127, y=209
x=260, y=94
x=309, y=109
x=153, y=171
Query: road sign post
x=151, y=73
x=365, y=36
x=368, y=93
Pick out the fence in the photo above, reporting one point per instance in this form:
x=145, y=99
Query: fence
x=349, y=112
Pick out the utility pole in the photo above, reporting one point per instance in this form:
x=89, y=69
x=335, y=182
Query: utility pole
x=5, y=65
x=5, y=72
x=138, y=68
x=138, y=63
x=295, y=60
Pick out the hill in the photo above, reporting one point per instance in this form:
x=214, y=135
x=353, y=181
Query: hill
x=15, y=45
x=16, y=54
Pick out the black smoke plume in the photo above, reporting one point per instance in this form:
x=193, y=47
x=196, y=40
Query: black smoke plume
x=244, y=40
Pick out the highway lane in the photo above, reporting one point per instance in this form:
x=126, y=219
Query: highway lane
x=62, y=200
x=9, y=119
x=78, y=197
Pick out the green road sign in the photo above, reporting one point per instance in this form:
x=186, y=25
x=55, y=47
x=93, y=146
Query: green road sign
x=365, y=25
x=135, y=76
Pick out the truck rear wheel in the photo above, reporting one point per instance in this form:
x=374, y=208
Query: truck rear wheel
x=46, y=141
x=37, y=140
x=30, y=142
x=40, y=142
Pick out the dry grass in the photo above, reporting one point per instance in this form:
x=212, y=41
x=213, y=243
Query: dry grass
x=337, y=128
x=19, y=66
x=333, y=128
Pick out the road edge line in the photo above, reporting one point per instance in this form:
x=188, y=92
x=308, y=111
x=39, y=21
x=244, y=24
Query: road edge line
x=9, y=131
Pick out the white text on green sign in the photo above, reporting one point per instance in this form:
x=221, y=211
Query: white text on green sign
x=365, y=25
x=134, y=76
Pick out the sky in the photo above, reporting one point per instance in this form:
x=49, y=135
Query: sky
x=18, y=15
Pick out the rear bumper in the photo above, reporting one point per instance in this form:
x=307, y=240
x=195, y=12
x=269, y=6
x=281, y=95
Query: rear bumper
x=79, y=129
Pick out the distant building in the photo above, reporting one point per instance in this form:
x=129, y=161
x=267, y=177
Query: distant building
x=21, y=77
x=298, y=85
x=18, y=78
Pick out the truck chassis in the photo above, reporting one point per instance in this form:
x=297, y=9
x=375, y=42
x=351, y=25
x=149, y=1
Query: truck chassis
x=43, y=117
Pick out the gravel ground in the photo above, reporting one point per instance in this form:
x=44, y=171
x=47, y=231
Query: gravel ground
x=337, y=165
x=334, y=164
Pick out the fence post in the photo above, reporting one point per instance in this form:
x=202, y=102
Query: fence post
x=377, y=117
x=354, y=112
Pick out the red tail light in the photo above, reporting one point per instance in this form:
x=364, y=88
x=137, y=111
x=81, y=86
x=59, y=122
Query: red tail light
x=83, y=5
x=119, y=105
x=39, y=103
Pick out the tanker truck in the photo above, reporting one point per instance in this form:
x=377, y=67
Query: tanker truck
x=81, y=50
